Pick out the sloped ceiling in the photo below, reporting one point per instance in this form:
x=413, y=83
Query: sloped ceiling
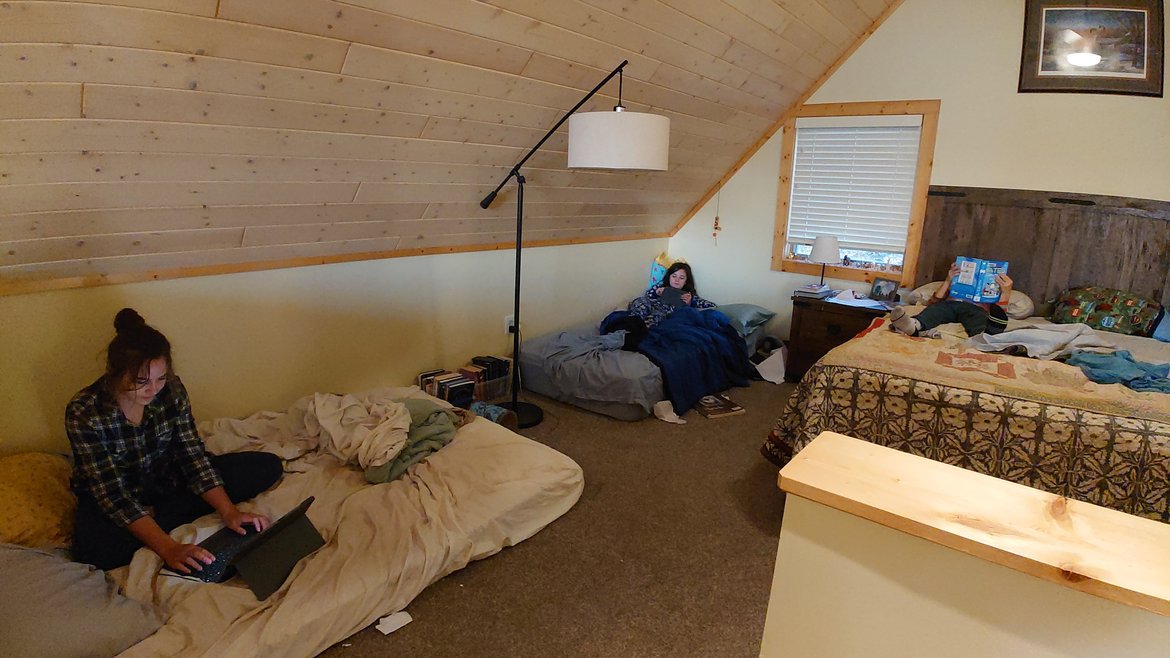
x=155, y=138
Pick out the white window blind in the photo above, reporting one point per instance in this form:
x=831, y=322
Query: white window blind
x=853, y=178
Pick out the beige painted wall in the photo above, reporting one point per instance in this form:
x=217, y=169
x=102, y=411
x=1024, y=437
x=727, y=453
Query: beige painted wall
x=845, y=586
x=967, y=54
x=260, y=340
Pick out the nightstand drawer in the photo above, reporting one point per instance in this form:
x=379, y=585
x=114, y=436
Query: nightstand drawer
x=817, y=327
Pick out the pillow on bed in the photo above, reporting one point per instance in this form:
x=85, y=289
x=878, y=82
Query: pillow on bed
x=1162, y=330
x=1019, y=305
x=746, y=317
x=1108, y=309
x=53, y=607
x=36, y=505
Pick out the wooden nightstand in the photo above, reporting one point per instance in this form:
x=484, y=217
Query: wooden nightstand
x=817, y=327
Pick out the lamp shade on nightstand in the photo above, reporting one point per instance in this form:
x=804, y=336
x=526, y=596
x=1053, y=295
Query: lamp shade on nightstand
x=825, y=250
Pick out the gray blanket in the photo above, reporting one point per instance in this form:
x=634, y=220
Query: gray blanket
x=1047, y=341
x=594, y=367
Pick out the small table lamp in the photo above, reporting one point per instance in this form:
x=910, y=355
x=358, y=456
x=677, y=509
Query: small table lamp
x=825, y=250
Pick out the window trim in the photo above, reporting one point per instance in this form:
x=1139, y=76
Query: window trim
x=929, y=110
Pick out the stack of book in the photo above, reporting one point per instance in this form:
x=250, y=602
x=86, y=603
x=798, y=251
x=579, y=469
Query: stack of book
x=813, y=290
x=453, y=387
x=485, y=378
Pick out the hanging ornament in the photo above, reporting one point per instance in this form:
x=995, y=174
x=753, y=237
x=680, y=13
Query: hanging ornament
x=716, y=228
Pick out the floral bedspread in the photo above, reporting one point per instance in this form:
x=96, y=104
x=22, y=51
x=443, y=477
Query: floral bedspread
x=1037, y=423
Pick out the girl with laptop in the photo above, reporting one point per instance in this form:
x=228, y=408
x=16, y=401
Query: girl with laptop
x=140, y=469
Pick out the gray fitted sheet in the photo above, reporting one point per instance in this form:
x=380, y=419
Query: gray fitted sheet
x=611, y=382
x=583, y=368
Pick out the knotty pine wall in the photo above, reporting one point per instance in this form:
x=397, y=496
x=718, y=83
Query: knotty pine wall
x=146, y=139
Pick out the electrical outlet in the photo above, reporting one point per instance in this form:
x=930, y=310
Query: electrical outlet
x=509, y=323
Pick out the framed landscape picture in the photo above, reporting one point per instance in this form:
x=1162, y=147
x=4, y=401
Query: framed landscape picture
x=1093, y=47
x=884, y=290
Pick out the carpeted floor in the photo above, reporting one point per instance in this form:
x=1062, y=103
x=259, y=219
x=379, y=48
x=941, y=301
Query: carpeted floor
x=668, y=553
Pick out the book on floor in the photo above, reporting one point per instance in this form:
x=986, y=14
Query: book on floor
x=976, y=280
x=718, y=406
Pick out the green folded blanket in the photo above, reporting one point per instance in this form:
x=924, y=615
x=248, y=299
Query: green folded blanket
x=431, y=428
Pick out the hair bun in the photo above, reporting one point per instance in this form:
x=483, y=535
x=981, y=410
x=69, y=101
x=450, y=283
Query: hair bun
x=128, y=320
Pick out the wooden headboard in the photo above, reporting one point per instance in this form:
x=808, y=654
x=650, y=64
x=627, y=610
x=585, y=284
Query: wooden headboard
x=1052, y=240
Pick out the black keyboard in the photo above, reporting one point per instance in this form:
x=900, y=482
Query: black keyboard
x=224, y=545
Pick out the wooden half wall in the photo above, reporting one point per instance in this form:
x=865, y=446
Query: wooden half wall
x=1052, y=240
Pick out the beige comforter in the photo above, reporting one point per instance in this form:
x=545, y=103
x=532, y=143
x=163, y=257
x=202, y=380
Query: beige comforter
x=489, y=488
x=949, y=361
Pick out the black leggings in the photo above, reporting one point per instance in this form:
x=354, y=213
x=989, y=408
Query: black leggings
x=99, y=541
x=975, y=320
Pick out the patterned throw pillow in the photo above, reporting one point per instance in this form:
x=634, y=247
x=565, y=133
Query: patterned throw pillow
x=1107, y=309
x=36, y=505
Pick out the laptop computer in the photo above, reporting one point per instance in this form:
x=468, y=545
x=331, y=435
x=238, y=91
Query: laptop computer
x=263, y=559
x=672, y=296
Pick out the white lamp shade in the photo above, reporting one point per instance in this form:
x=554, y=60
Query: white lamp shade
x=619, y=140
x=825, y=250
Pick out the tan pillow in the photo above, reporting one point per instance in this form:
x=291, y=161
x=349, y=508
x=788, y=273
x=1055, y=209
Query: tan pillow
x=36, y=505
x=1019, y=305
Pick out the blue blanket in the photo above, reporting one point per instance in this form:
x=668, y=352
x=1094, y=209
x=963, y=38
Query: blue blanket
x=1120, y=368
x=699, y=353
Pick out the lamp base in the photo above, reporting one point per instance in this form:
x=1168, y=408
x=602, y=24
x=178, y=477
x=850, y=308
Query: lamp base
x=527, y=414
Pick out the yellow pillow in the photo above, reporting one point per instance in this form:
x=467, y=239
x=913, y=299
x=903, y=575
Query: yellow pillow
x=36, y=505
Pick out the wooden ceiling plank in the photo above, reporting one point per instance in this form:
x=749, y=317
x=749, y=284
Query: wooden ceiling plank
x=847, y=13
x=379, y=63
x=31, y=168
x=173, y=105
x=98, y=64
x=209, y=75
x=491, y=21
x=194, y=7
x=450, y=209
x=79, y=23
x=26, y=100
x=32, y=226
x=812, y=14
x=872, y=8
x=51, y=250
x=81, y=196
x=358, y=25
x=407, y=68
x=668, y=75
x=668, y=21
x=402, y=192
x=606, y=27
x=768, y=69
x=337, y=231
x=84, y=135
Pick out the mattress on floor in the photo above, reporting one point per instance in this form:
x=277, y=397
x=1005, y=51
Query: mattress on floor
x=488, y=489
x=613, y=382
x=623, y=385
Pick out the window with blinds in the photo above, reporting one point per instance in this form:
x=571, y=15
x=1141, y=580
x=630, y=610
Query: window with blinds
x=854, y=178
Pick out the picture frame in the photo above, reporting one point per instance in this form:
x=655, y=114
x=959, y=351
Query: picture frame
x=1114, y=47
x=884, y=290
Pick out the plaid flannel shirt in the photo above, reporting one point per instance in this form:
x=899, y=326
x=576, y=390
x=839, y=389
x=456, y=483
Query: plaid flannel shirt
x=125, y=468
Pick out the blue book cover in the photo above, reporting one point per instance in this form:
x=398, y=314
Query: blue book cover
x=976, y=280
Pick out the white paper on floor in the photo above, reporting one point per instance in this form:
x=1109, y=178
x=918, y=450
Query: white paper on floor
x=772, y=368
x=391, y=623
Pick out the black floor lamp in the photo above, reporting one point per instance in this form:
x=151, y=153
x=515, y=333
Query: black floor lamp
x=597, y=140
